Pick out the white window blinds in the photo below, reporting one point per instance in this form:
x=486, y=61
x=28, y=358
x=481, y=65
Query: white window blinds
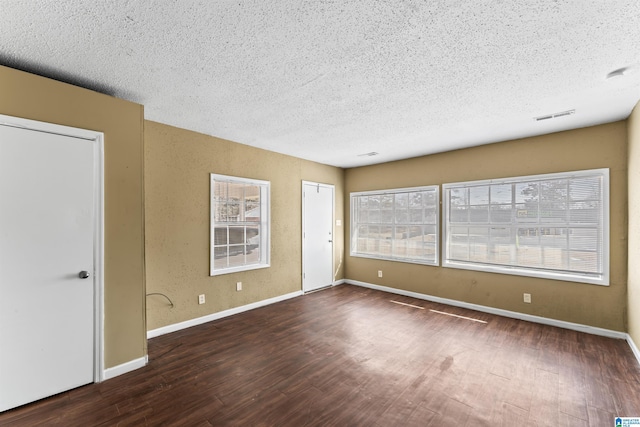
x=553, y=226
x=399, y=224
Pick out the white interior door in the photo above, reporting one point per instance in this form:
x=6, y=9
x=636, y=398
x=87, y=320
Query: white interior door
x=317, y=235
x=47, y=210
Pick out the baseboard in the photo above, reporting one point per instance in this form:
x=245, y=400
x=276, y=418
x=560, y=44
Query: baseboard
x=634, y=348
x=339, y=282
x=500, y=312
x=219, y=315
x=132, y=365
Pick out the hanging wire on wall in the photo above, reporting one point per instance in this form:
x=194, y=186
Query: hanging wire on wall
x=168, y=299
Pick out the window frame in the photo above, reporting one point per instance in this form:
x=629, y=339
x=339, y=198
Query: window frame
x=264, y=224
x=355, y=223
x=520, y=270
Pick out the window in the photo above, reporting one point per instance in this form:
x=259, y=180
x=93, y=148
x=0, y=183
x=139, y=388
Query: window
x=400, y=225
x=239, y=224
x=553, y=226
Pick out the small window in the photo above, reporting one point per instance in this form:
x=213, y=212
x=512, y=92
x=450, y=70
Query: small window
x=398, y=225
x=239, y=224
x=552, y=226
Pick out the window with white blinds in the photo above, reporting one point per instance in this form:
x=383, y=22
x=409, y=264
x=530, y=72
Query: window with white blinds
x=399, y=224
x=553, y=226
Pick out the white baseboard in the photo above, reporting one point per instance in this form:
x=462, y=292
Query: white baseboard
x=132, y=365
x=498, y=311
x=634, y=348
x=219, y=315
x=339, y=282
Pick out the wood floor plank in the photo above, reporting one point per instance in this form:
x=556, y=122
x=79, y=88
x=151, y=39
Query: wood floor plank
x=544, y=400
x=299, y=410
x=598, y=395
x=505, y=414
x=600, y=418
x=399, y=410
x=351, y=356
x=421, y=416
x=454, y=413
x=565, y=420
x=516, y=364
x=571, y=396
x=627, y=398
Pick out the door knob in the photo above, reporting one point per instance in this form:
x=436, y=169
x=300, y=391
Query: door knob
x=83, y=274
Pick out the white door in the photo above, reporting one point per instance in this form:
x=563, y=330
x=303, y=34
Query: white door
x=47, y=209
x=317, y=235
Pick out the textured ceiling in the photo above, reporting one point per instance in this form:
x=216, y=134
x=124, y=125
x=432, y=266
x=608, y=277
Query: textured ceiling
x=329, y=80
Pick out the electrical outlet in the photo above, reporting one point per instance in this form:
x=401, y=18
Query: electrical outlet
x=527, y=298
x=379, y=273
x=238, y=286
x=201, y=299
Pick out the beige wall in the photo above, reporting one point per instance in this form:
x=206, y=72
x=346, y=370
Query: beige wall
x=596, y=147
x=177, y=207
x=33, y=97
x=633, y=297
x=177, y=167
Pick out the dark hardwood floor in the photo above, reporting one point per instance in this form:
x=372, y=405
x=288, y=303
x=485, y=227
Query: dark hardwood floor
x=349, y=356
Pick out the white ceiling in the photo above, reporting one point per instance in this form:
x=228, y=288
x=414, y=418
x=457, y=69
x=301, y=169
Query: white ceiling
x=328, y=80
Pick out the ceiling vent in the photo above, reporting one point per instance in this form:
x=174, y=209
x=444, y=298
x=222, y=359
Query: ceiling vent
x=373, y=153
x=554, y=115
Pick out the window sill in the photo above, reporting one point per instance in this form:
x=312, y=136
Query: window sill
x=238, y=269
x=405, y=260
x=602, y=280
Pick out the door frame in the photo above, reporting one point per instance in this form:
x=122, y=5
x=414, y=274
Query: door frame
x=96, y=138
x=333, y=231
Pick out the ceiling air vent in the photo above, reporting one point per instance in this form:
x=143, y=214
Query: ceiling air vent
x=554, y=115
x=373, y=153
